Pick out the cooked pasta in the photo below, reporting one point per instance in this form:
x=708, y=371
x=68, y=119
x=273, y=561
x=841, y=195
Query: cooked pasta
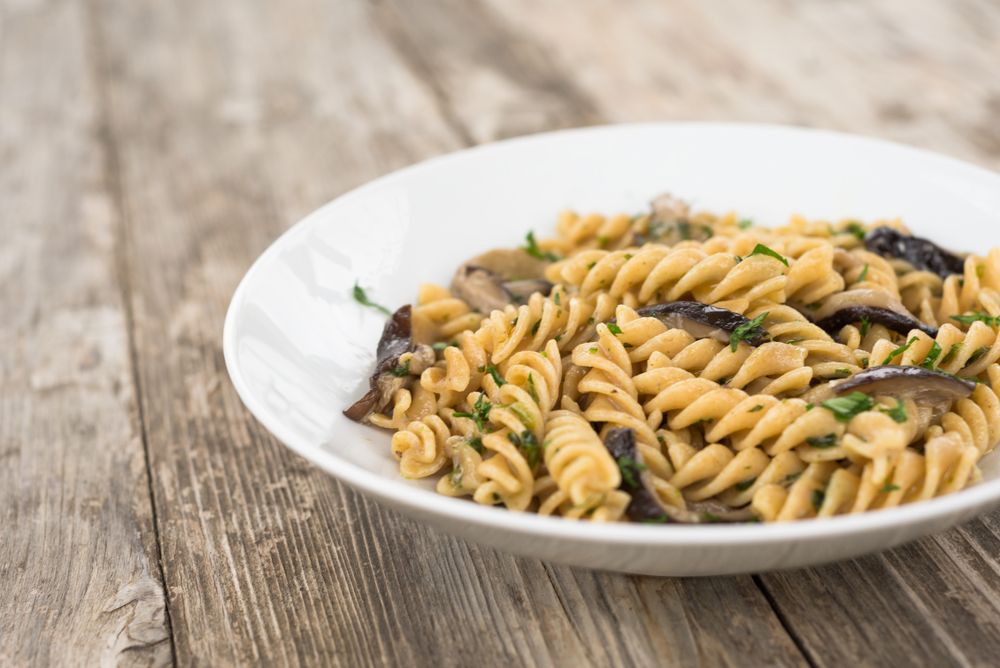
x=680, y=366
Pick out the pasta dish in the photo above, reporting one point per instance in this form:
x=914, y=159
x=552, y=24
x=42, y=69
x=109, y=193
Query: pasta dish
x=680, y=366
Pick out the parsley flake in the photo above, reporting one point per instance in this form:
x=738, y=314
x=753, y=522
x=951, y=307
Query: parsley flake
x=845, y=408
x=531, y=248
x=361, y=297
x=761, y=249
x=822, y=442
x=746, y=330
x=900, y=350
x=630, y=470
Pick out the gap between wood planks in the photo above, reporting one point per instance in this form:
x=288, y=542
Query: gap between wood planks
x=112, y=176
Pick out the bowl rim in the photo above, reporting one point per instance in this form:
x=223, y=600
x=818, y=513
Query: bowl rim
x=399, y=493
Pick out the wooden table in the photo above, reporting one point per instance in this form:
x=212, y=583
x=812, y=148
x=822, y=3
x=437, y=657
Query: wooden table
x=151, y=149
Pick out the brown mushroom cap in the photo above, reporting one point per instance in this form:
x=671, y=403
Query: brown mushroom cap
x=921, y=253
x=645, y=505
x=394, y=343
x=703, y=321
x=935, y=391
x=877, y=306
x=499, y=277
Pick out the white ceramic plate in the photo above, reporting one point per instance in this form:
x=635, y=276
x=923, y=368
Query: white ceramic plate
x=299, y=349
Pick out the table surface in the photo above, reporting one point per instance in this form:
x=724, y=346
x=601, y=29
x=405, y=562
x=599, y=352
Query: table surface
x=151, y=150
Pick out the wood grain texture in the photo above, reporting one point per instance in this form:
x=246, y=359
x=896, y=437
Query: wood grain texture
x=167, y=143
x=218, y=139
x=78, y=567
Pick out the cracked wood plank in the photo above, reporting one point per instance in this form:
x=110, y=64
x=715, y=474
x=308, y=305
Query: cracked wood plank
x=78, y=563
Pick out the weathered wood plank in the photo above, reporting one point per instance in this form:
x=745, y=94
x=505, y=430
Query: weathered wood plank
x=920, y=73
x=78, y=568
x=226, y=130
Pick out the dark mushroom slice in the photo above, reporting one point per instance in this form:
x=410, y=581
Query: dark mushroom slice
x=669, y=223
x=876, y=306
x=703, y=321
x=932, y=392
x=921, y=253
x=645, y=505
x=499, y=277
x=390, y=375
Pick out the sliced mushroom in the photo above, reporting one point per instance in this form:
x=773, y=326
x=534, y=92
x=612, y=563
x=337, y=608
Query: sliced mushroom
x=933, y=392
x=670, y=222
x=645, y=505
x=921, y=253
x=876, y=306
x=390, y=373
x=499, y=277
x=703, y=321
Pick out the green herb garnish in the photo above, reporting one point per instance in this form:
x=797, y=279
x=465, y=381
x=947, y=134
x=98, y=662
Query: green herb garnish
x=897, y=413
x=845, y=408
x=401, y=370
x=441, y=345
x=493, y=371
x=822, y=442
x=745, y=224
x=978, y=317
x=955, y=347
x=889, y=487
x=744, y=485
x=480, y=412
x=900, y=350
x=932, y=356
x=857, y=230
x=531, y=387
x=976, y=356
x=746, y=331
x=756, y=409
x=630, y=470
x=761, y=249
x=614, y=329
x=528, y=445
x=818, y=496
x=531, y=248
x=362, y=298
x=865, y=326
x=863, y=275
x=476, y=443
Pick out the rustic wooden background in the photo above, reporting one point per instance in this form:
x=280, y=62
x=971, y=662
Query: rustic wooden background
x=149, y=150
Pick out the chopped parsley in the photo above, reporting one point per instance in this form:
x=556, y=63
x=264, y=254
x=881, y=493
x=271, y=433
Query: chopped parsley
x=528, y=445
x=745, y=331
x=992, y=321
x=866, y=324
x=932, y=356
x=401, y=370
x=900, y=350
x=556, y=298
x=362, y=298
x=889, y=487
x=630, y=470
x=761, y=249
x=492, y=370
x=756, y=409
x=476, y=443
x=593, y=349
x=897, y=413
x=955, y=347
x=845, y=408
x=441, y=345
x=857, y=230
x=822, y=442
x=976, y=356
x=818, y=496
x=531, y=387
x=614, y=329
x=791, y=477
x=603, y=240
x=841, y=373
x=534, y=328
x=744, y=485
x=456, y=477
x=480, y=412
x=531, y=248
x=864, y=274
x=745, y=224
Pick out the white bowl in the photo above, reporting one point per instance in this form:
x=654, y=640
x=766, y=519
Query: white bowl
x=299, y=349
